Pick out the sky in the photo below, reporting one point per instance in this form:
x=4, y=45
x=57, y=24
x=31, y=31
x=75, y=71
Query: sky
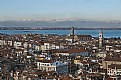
x=52, y=9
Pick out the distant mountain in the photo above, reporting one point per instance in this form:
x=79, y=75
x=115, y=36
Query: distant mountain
x=63, y=23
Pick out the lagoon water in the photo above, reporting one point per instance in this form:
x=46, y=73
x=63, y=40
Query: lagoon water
x=94, y=33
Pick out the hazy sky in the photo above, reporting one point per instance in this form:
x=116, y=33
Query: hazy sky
x=39, y=9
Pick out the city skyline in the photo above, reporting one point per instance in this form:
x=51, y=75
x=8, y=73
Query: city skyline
x=54, y=9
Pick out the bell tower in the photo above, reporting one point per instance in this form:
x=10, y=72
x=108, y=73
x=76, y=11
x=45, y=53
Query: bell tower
x=72, y=34
x=100, y=39
x=72, y=31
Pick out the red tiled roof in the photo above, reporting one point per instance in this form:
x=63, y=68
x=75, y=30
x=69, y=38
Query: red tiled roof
x=70, y=51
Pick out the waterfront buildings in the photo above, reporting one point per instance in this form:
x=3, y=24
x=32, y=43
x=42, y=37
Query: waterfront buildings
x=52, y=56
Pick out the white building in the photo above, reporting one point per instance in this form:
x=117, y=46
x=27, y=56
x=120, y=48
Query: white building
x=17, y=44
x=114, y=69
x=49, y=65
x=47, y=46
x=25, y=44
x=2, y=42
x=10, y=43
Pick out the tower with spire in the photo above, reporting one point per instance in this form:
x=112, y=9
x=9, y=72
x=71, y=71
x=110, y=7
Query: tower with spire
x=72, y=31
x=72, y=34
x=101, y=39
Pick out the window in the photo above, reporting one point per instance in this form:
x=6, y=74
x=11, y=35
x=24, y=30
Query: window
x=47, y=64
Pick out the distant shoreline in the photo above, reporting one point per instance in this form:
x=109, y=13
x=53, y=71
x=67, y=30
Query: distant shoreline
x=37, y=28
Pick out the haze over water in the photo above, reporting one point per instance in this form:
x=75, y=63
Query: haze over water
x=97, y=10
x=94, y=33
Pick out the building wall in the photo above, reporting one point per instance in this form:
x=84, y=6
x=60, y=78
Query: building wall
x=80, y=54
x=103, y=55
x=43, y=47
x=25, y=45
x=113, y=72
x=60, y=68
x=47, y=46
x=10, y=43
x=17, y=44
x=106, y=63
x=1, y=42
